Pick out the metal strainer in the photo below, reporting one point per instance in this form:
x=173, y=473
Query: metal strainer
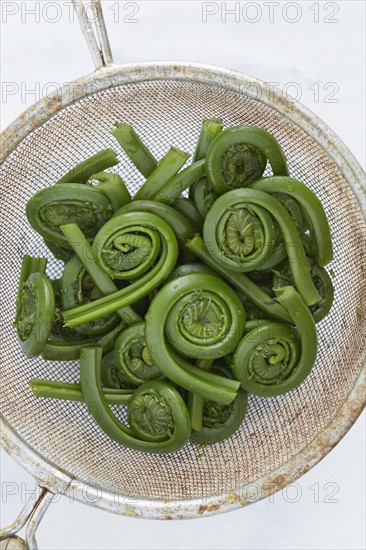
x=281, y=438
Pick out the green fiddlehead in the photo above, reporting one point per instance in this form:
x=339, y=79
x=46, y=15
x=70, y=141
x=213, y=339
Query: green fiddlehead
x=78, y=288
x=241, y=238
x=157, y=415
x=157, y=234
x=322, y=281
x=238, y=156
x=35, y=306
x=311, y=209
x=112, y=376
x=204, y=196
x=199, y=324
x=240, y=281
x=132, y=357
x=242, y=199
x=86, y=256
x=68, y=203
x=220, y=421
x=182, y=227
x=273, y=358
x=125, y=251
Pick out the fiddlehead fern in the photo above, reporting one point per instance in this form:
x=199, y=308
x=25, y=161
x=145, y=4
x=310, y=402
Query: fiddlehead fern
x=86, y=256
x=311, y=209
x=161, y=245
x=322, y=281
x=157, y=414
x=132, y=357
x=220, y=421
x=35, y=306
x=182, y=227
x=112, y=376
x=239, y=236
x=238, y=157
x=240, y=281
x=198, y=323
x=242, y=199
x=273, y=358
x=77, y=288
x=68, y=203
x=126, y=251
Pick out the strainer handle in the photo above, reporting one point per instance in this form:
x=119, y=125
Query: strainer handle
x=97, y=37
x=33, y=511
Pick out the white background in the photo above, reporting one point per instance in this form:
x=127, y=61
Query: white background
x=46, y=47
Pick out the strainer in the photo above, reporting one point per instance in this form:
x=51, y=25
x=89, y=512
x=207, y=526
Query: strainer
x=281, y=438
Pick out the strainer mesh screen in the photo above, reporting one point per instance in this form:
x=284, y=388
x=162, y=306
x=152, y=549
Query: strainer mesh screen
x=169, y=113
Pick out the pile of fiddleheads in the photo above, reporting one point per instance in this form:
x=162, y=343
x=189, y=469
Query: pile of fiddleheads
x=178, y=302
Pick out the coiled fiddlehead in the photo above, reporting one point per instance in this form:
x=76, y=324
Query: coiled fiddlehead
x=35, y=306
x=240, y=281
x=238, y=157
x=220, y=421
x=241, y=237
x=77, y=288
x=182, y=227
x=157, y=415
x=199, y=324
x=246, y=198
x=283, y=277
x=273, y=358
x=125, y=251
x=162, y=249
x=312, y=210
x=132, y=357
x=279, y=248
x=112, y=376
x=68, y=203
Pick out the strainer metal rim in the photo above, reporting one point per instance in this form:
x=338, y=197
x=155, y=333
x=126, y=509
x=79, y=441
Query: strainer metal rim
x=59, y=481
